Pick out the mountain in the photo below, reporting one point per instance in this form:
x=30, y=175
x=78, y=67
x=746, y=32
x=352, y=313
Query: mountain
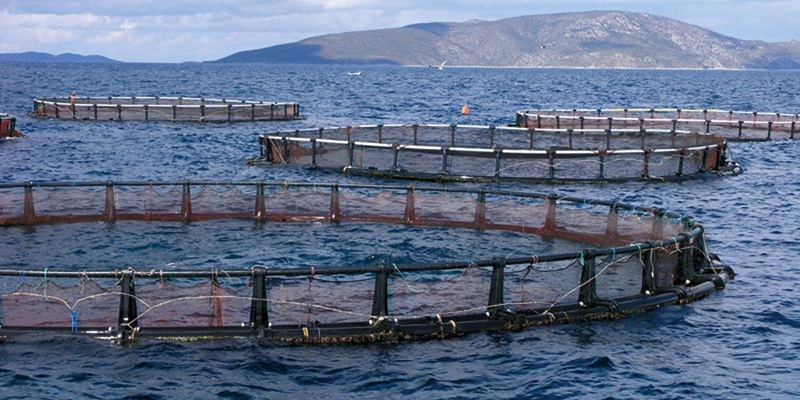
x=31, y=56
x=594, y=39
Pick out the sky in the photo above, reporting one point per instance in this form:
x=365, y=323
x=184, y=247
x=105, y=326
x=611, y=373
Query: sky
x=204, y=30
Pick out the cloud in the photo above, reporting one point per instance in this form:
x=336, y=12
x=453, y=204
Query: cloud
x=197, y=30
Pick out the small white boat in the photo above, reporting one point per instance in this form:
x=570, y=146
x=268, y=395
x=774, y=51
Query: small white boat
x=357, y=73
x=440, y=67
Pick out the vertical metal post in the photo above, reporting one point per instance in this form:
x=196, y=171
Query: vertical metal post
x=551, y=169
x=444, y=160
x=350, y=154
x=602, y=154
x=705, y=160
x=414, y=128
x=186, y=202
x=259, y=312
x=588, y=291
x=497, y=164
x=410, y=215
x=29, y=212
x=334, y=215
x=769, y=130
x=380, y=133
x=531, y=132
x=110, y=212
x=649, y=283
x=286, y=150
x=261, y=204
x=480, y=211
x=146, y=112
x=127, y=319
x=550, y=217
x=612, y=224
x=681, y=158
x=380, y=295
x=491, y=135
x=687, y=259
x=496, y=290
x=313, y=151
x=569, y=135
x=263, y=150
x=452, y=135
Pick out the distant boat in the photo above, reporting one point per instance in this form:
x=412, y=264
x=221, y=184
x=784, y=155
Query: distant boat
x=440, y=67
x=357, y=73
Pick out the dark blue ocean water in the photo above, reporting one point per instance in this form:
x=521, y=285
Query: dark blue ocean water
x=743, y=342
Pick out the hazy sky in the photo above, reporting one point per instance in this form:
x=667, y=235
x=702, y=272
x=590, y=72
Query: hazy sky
x=200, y=30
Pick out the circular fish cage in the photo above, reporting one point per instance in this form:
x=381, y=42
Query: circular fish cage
x=456, y=153
x=8, y=126
x=620, y=259
x=739, y=126
x=157, y=108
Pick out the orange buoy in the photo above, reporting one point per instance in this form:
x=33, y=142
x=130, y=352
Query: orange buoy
x=465, y=110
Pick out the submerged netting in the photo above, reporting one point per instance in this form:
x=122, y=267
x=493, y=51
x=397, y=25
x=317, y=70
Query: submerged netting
x=631, y=259
x=733, y=125
x=163, y=109
x=487, y=153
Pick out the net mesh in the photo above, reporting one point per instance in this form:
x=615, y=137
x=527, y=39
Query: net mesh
x=163, y=109
x=733, y=125
x=464, y=153
x=640, y=250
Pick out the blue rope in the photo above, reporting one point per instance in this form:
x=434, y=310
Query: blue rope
x=74, y=317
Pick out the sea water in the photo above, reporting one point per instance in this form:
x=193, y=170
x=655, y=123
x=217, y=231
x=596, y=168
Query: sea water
x=742, y=342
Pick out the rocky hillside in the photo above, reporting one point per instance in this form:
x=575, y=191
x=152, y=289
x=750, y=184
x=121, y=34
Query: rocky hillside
x=47, y=57
x=596, y=39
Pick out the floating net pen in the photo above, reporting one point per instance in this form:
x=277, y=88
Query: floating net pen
x=487, y=153
x=163, y=109
x=8, y=126
x=629, y=259
x=733, y=125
